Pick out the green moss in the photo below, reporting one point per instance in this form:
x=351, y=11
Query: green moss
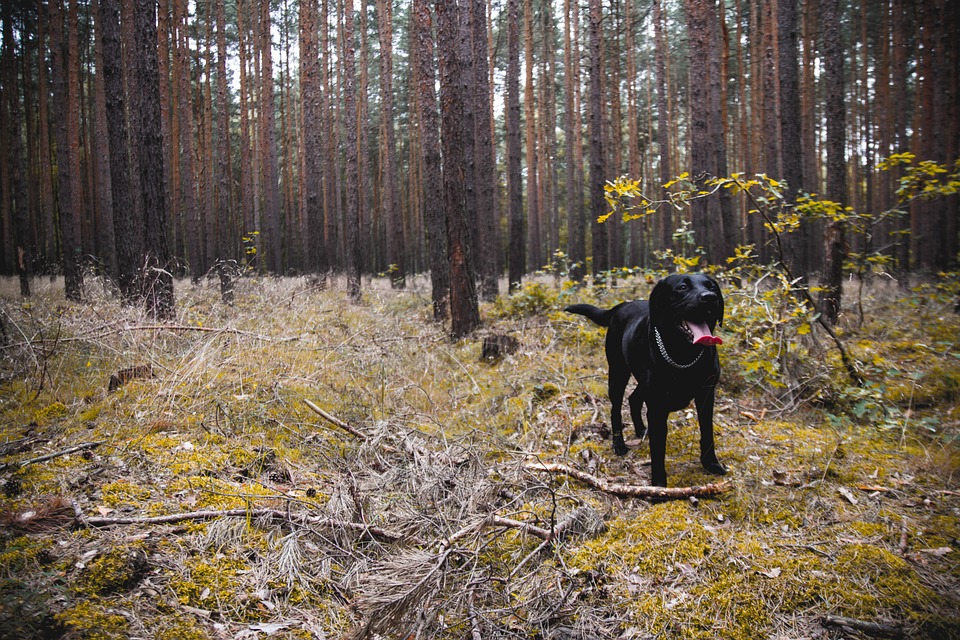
x=181, y=628
x=92, y=620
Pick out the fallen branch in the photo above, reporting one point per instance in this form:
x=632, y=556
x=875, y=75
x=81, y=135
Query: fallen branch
x=276, y=514
x=634, y=491
x=870, y=628
x=335, y=421
x=49, y=456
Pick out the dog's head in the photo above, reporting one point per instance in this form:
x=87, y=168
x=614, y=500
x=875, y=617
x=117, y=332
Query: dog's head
x=691, y=302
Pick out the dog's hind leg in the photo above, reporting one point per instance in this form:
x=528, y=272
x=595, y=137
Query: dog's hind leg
x=637, y=398
x=616, y=385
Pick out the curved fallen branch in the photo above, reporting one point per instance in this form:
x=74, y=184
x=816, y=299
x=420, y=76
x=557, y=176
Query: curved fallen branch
x=630, y=490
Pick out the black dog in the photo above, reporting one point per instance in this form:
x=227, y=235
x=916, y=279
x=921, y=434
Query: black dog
x=669, y=347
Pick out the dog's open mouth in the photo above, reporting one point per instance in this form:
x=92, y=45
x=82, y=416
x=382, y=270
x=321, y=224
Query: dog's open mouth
x=699, y=333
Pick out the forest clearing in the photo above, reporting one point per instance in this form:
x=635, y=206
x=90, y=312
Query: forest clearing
x=169, y=480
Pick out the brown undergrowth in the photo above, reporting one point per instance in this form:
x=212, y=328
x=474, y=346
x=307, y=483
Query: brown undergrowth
x=208, y=500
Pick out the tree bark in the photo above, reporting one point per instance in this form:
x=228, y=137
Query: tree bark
x=268, y=138
x=600, y=240
x=435, y=223
x=61, y=60
x=145, y=104
x=488, y=247
x=353, y=254
x=517, y=248
x=464, y=312
x=576, y=242
x=390, y=201
x=835, y=233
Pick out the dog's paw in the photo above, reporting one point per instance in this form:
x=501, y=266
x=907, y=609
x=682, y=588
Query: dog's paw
x=619, y=446
x=658, y=482
x=641, y=432
x=714, y=467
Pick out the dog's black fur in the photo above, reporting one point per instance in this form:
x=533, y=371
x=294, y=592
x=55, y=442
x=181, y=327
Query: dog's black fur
x=680, y=305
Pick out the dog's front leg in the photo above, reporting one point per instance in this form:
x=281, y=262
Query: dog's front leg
x=657, y=430
x=708, y=452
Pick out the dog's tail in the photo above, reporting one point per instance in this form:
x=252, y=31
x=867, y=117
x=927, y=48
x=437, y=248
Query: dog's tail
x=600, y=316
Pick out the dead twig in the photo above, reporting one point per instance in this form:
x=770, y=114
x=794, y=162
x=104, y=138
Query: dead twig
x=864, y=626
x=49, y=456
x=335, y=421
x=313, y=521
x=634, y=491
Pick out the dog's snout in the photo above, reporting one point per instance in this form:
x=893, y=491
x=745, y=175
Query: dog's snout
x=708, y=296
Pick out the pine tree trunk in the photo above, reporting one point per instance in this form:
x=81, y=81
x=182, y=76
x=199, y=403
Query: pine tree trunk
x=435, y=223
x=517, y=248
x=464, y=312
x=145, y=105
x=128, y=227
x=576, y=242
x=601, y=259
x=69, y=237
x=392, y=215
x=268, y=139
x=488, y=247
x=352, y=178
x=312, y=162
x=188, y=181
x=534, y=240
x=834, y=237
x=663, y=126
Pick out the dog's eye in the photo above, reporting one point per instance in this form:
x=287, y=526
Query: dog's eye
x=682, y=286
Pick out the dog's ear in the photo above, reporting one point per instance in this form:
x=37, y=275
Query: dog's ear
x=660, y=302
x=720, y=294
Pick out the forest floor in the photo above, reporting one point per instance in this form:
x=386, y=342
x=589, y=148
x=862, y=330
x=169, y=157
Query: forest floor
x=197, y=495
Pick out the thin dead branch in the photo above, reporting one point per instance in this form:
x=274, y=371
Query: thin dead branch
x=864, y=626
x=336, y=421
x=276, y=514
x=49, y=456
x=633, y=491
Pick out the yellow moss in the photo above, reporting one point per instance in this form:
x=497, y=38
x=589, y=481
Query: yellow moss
x=91, y=620
x=206, y=581
x=50, y=413
x=113, y=572
x=124, y=494
x=180, y=628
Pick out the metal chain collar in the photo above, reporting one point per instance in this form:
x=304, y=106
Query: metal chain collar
x=670, y=361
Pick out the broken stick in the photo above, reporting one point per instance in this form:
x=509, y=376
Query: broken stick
x=335, y=421
x=634, y=491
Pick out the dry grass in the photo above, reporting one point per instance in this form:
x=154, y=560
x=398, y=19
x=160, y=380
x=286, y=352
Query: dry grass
x=429, y=522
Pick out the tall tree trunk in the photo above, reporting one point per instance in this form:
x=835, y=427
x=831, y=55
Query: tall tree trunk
x=99, y=141
x=47, y=205
x=454, y=81
x=576, y=242
x=69, y=236
x=312, y=108
x=268, y=140
x=517, y=248
x=534, y=240
x=705, y=148
x=601, y=247
x=353, y=240
x=188, y=181
x=791, y=150
x=435, y=223
x=19, y=201
x=488, y=248
x=145, y=104
x=834, y=237
x=127, y=224
x=390, y=203
x=663, y=126
x=227, y=231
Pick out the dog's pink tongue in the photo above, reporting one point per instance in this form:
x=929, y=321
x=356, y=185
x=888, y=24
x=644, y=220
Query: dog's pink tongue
x=702, y=336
